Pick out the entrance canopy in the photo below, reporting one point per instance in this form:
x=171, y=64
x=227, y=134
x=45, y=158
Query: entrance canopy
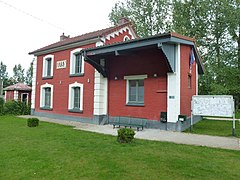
x=166, y=43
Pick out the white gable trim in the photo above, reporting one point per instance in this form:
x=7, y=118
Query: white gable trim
x=120, y=31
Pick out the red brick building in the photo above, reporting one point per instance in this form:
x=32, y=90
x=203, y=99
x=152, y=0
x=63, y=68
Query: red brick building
x=18, y=92
x=112, y=73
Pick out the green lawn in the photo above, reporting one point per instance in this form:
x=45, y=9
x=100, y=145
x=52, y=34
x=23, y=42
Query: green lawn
x=237, y=114
x=53, y=151
x=215, y=127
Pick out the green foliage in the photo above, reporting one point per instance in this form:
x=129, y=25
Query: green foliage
x=125, y=135
x=215, y=26
x=16, y=108
x=12, y=107
x=4, y=74
x=29, y=75
x=18, y=73
x=1, y=106
x=32, y=122
x=149, y=17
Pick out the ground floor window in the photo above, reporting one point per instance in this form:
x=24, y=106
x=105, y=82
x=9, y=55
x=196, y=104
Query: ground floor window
x=46, y=96
x=189, y=81
x=24, y=98
x=75, y=100
x=135, y=89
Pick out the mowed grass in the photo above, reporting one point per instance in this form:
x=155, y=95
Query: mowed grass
x=237, y=114
x=53, y=151
x=215, y=128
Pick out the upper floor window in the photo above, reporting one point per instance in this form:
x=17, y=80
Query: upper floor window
x=46, y=96
x=135, y=90
x=48, y=66
x=76, y=63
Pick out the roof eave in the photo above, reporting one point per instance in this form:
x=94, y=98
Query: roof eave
x=65, y=46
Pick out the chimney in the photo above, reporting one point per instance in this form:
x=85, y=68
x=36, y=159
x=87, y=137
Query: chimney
x=63, y=37
x=122, y=20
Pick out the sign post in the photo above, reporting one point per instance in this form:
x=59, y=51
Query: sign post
x=213, y=105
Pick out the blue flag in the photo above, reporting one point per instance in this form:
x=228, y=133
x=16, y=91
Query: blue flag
x=192, y=58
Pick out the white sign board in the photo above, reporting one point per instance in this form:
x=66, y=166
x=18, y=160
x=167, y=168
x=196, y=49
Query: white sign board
x=213, y=105
x=61, y=64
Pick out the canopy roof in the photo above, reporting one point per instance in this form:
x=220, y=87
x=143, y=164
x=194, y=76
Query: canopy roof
x=165, y=42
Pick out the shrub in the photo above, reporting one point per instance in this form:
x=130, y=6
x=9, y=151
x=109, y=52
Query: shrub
x=32, y=122
x=16, y=108
x=25, y=108
x=125, y=135
x=1, y=106
x=12, y=107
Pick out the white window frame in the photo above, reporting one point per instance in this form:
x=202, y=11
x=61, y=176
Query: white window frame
x=73, y=59
x=133, y=77
x=42, y=95
x=126, y=38
x=44, y=70
x=71, y=96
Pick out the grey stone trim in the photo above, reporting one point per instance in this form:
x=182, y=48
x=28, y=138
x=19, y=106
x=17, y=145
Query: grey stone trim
x=64, y=117
x=32, y=111
x=100, y=119
x=75, y=110
x=76, y=75
x=47, y=77
x=169, y=126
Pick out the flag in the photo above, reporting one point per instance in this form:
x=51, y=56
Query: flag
x=192, y=59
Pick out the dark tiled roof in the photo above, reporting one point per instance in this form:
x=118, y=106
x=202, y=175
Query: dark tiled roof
x=82, y=37
x=18, y=86
x=168, y=34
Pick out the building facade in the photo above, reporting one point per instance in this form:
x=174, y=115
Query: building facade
x=64, y=84
x=111, y=73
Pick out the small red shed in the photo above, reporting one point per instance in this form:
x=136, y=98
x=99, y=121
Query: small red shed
x=18, y=92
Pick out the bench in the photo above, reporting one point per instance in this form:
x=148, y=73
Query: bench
x=127, y=122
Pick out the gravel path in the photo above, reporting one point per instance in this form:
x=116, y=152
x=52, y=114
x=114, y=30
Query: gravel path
x=156, y=134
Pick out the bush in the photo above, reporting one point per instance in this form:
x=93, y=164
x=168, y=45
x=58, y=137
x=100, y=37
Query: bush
x=125, y=135
x=32, y=122
x=1, y=106
x=12, y=107
x=25, y=109
x=16, y=108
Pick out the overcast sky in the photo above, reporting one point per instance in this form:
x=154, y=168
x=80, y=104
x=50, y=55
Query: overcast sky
x=26, y=25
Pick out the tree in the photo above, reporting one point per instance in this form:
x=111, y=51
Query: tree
x=29, y=75
x=149, y=16
x=215, y=26
x=4, y=74
x=18, y=73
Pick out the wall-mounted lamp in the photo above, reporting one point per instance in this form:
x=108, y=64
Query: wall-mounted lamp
x=155, y=75
x=115, y=78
